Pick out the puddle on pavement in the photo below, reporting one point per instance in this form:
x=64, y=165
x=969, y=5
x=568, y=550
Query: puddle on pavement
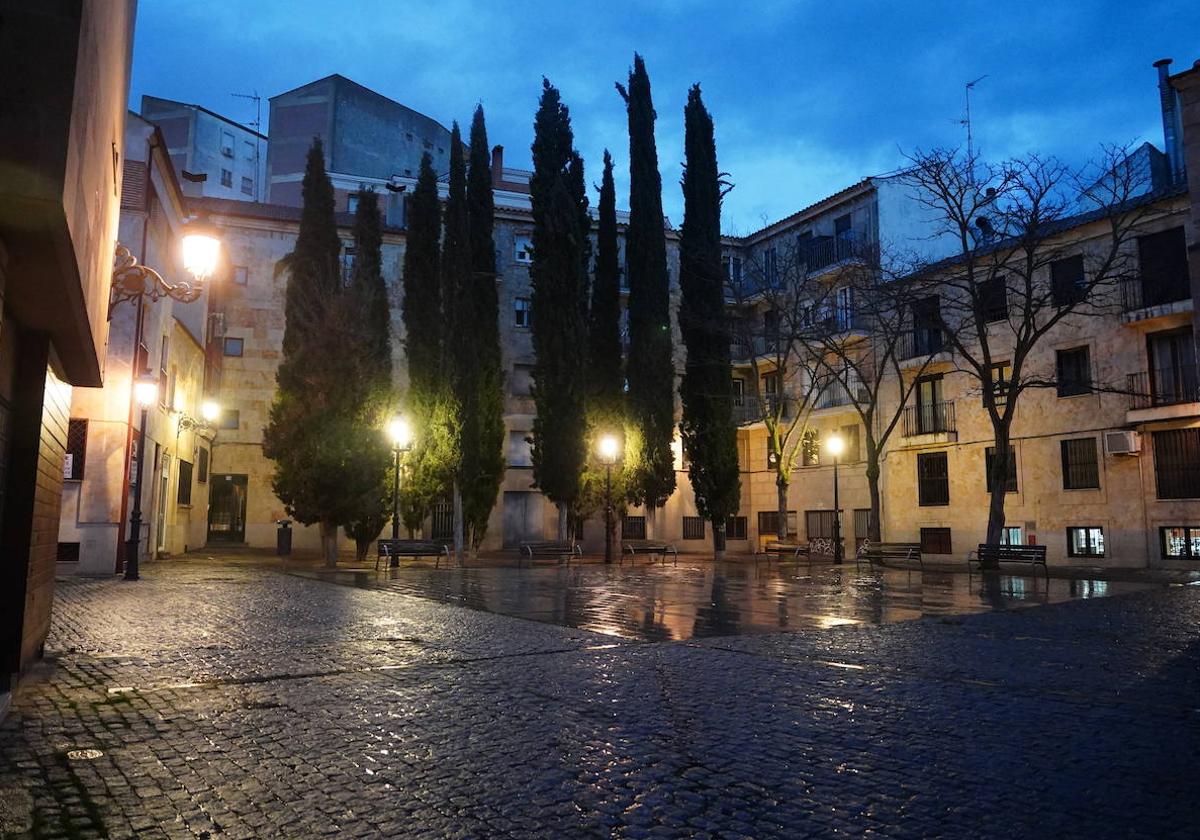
x=722, y=599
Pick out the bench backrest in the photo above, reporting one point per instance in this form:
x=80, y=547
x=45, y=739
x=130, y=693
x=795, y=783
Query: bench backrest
x=548, y=545
x=775, y=545
x=890, y=549
x=644, y=544
x=406, y=546
x=1013, y=552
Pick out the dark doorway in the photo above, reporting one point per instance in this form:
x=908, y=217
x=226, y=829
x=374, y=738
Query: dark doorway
x=227, y=508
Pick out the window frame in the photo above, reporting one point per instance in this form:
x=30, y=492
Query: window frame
x=1077, y=387
x=1190, y=533
x=522, y=313
x=1070, y=470
x=924, y=498
x=523, y=255
x=689, y=528
x=185, y=477
x=1071, y=552
x=931, y=539
x=993, y=299
x=78, y=454
x=1059, y=279
x=240, y=343
x=737, y=528
x=989, y=455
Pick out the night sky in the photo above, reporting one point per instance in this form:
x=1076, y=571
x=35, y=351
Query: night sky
x=807, y=97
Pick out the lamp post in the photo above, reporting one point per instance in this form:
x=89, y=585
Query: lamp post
x=836, y=447
x=145, y=392
x=609, y=450
x=401, y=435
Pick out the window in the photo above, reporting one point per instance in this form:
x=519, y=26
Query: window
x=68, y=552
x=184, y=494
x=818, y=524
x=241, y=275
x=1162, y=258
x=989, y=462
x=226, y=178
x=227, y=144
x=733, y=268
x=1180, y=541
x=739, y=391
x=1011, y=535
x=936, y=541
x=771, y=266
x=347, y=259
x=850, y=436
x=247, y=185
x=164, y=390
x=202, y=465
x=522, y=312
x=633, y=527
x=772, y=458
x=933, y=479
x=810, y=449
x=1074, y=372
x=1177, y=463
x=1000, y=379
x=931, y=413
x=76, y=453
x=768, y=523
x=521, y=383
x=862, y=526
x=1068, y=285
x=841, y=226
x=993, y=299
x=1085, y=541
x=234, y=346
x=523, y=249
x=520, y=452
x=693, y=528
x=248, y=150
x=735, y=528
x=1079, y=466
x=230, y=418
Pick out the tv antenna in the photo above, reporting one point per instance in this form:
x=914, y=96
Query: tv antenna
x=967, y=121
x=257, y=126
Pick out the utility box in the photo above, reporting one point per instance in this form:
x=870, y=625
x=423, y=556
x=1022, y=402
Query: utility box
x=283, y=537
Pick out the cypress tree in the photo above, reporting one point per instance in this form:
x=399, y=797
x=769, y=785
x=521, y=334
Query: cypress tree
x=651, y=367
x=559, y=282
x=707, y=428
x=480, y=378
x=458, y=352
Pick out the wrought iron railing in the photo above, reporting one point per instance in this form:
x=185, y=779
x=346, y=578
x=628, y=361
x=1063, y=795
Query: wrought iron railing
x=920, y=342
x=929, y=419
x=1141, y=292
x=1164, y=386
x=749, y=409
x=820, y=252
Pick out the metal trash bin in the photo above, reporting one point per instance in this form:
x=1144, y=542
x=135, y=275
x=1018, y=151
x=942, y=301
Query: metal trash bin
x=283, y=537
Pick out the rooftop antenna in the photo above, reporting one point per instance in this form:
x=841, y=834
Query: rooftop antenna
x=257, y=126
x=967, y=122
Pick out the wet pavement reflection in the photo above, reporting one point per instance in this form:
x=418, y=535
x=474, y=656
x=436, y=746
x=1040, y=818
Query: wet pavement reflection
x=702, y=598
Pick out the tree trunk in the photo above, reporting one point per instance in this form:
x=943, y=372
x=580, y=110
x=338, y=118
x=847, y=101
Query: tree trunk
x=458, y=523
x=564, y=522
x=329, y=544
x=651, y=522
x=781, y=491
x=874, y=530
x=997, y=491
x=718, y=529
x=361, y=549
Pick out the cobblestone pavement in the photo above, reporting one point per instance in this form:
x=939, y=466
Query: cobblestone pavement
x=233, y=701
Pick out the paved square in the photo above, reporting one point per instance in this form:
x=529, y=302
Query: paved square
x=229, y=700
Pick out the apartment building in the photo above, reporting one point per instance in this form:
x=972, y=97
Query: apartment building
x=212, y=154
x=163, y=339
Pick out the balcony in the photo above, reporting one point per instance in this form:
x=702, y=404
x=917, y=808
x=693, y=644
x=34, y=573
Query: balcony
x=920, y=343
x=748, y=410
x=1143, y=298
x=822, y=253
x=744, y=349
x=1163, y=394
x=932, y=421
x=836, y=394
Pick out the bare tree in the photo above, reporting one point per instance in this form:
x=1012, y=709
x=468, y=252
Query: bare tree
x=772, y=304
x=1016, y=272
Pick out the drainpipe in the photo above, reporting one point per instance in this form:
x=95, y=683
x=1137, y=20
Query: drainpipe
x=1172, y=122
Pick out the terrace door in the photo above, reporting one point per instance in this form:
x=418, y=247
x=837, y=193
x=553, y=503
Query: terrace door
x=227, y=508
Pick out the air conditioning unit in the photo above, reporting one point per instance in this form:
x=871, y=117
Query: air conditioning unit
x=1122, y=443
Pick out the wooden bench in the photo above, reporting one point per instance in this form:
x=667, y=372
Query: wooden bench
x=393, y=550
x=794, y=551
x=883, y=554
x=551, y=548
x=632, y=548
x=1031, y=555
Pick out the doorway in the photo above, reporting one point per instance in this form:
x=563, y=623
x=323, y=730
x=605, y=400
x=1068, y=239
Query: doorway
x=227, y=508
x=522, y=517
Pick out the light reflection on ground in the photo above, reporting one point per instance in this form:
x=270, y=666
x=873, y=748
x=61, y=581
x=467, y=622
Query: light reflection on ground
x=701, y=598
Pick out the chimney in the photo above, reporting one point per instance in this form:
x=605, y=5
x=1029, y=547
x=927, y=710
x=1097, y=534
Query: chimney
x=1172, y=121
x=497, y=166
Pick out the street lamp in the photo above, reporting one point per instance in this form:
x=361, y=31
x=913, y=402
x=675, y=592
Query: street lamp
x=210, y=411
x=145, y=392
x=609, y=448
x=132, y=281
x=401, y=435
x=836, y=446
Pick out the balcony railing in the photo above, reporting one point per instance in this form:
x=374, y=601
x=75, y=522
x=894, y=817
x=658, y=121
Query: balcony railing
x=753, y=347
x=1141, y=292
x=1166, y=386
x=748, y=409
x=929, y=419
x=920, y=342
x=820, y=252
x=836, y=394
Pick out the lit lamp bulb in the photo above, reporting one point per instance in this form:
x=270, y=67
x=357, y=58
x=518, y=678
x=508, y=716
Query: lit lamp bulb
x=210, y=411
x=201, y=249
x=400, y=433
x=609, y=448
x=145, y=391
x=836, y=445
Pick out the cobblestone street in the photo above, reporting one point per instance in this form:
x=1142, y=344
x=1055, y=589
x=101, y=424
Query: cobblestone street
x=228, y=699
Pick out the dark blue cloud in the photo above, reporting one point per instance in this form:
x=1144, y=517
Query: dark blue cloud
x=807, y=97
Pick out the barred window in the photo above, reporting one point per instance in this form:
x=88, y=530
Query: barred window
x=1010, y=480
x=818, y=524
x=1080, y=468
x=933, y=479
x=735, y=528
x=768, y=523
x=936, y=541
x=633, y=527
x=1074, y=372
x=202, y=465
x=1086, y=541
x=76, y=453
x=184, y=494
x=1177, y=463
x=1068, y=284
x=693, y=528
